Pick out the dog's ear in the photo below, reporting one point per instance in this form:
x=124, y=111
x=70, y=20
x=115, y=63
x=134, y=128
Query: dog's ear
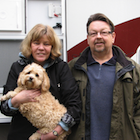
x=19, y=82
x=21, y=75
x=46, y=82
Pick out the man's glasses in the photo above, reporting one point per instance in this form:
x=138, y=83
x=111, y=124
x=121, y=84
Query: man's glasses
x=102, y=33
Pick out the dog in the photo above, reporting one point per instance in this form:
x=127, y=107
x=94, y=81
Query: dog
x=46, y=112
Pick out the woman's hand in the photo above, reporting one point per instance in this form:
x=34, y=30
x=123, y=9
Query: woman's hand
x=51, y=136
x=24, y=96
x=48, y=136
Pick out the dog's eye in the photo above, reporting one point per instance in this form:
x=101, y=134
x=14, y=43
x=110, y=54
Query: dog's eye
x=37, y=75
x=29, y=72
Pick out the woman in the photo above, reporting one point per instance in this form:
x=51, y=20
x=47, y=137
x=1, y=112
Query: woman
x=42, y=46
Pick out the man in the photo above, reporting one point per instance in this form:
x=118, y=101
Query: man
x=110, y=85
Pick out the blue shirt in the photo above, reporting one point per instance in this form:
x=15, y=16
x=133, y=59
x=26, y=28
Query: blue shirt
x=102, y=78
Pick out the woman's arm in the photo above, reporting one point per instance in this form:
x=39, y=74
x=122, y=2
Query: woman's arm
x=10, y=107
x=70, y=94
x=10, y=85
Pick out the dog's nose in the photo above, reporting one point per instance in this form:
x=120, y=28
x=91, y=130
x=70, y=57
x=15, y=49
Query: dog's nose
x=30, y=78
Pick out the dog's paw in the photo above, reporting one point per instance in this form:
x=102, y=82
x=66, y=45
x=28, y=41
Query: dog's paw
x=35, y=136
x=3, y=98
x=7, y=96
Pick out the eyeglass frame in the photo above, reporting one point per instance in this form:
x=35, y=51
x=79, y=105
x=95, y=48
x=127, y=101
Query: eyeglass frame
x=102, y=33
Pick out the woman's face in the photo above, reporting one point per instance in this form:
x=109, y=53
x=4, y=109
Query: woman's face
x=41, y=50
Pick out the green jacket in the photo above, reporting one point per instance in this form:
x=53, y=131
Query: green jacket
x=125, y=119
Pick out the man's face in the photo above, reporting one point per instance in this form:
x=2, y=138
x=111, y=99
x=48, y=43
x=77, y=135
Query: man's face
x=100, y=38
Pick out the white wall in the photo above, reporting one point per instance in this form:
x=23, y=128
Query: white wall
x=3, y=118
x=78, y=12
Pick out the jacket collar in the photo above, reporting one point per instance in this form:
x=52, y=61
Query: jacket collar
x=24, y=61
x=119, y=55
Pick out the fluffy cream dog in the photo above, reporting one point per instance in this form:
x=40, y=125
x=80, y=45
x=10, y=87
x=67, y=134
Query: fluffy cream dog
x=47, y=111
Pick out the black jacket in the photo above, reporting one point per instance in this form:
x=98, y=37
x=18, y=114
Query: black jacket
x=63, y=87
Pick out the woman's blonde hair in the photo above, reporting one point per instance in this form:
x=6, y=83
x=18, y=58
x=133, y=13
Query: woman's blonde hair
x=35, y=34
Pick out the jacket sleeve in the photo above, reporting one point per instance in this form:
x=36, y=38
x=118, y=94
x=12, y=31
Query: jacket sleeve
x=136, y=96
x=10, y=85
x=70, y=96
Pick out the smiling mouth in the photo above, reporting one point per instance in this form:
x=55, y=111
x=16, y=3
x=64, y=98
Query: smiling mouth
x=99, y=43
x=41, y=54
